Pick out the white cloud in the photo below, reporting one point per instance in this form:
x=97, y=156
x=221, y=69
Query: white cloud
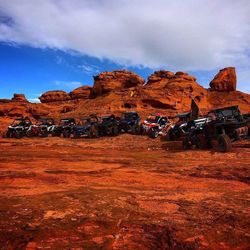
x=177, y=35
x=68, y=84
x=34, y=100
x=89, y=68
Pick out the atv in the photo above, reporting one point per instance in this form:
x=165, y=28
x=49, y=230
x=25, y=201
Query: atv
x=130, y=122
x=154, y=125
x=88, y=126
x=65, y=128
x=108, y=125
x=224, y=126
x=18, y=128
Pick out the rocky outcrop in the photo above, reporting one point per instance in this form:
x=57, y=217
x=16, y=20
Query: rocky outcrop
x=159, y=75
x=225, y=80
x=116, y=80
x=19, y=98
x=54, y=96
x=162, y=78
x=80, y=93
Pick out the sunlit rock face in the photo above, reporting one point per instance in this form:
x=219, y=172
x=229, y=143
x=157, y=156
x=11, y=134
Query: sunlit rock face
x=225, y=80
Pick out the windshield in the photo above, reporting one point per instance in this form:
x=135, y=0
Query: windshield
x=20, y=123
x=65, y=122
x=152, y=119
x=129, y=116
x=228, y=113
x=88, y=120
x=105, y=119
x=17, y=122
x=45, y=122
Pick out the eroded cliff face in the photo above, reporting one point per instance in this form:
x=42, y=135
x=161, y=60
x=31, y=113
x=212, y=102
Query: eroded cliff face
x=107, y=82
x=119, y=91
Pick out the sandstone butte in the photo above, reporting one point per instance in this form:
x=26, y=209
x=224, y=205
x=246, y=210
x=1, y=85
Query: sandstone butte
x=121, y=90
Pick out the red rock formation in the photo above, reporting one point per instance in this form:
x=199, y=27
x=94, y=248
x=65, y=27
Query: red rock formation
x=54, y=96
x=119, y=91
x=116, y=80
x=81, y=93
x=225, y=80
x=159, y=75
x=19, y=98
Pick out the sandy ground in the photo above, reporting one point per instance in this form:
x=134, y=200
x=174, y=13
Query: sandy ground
x=125, y=192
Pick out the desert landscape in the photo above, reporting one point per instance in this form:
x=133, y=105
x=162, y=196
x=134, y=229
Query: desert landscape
x=127, y=191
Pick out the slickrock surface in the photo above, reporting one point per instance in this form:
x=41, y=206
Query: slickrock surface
x=125, y=192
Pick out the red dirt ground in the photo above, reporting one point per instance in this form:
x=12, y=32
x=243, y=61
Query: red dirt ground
x=125, y=192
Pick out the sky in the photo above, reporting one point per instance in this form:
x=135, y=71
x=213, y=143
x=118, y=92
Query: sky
x=50, y=44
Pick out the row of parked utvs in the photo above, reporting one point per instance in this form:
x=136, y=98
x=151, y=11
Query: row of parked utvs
x=220, y=127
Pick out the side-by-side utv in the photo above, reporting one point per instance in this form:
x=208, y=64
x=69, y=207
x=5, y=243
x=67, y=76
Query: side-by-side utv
x=87, y=127
x=224, y=125
x=130, y=122
x=18, y=128
x=65, y=128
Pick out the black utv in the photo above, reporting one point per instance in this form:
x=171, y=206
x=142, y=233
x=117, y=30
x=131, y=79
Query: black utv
x=65, y=128
x=130, y=122
x=46, y=125
x=108, y=125
x=18, y=128
x=224, y=125
x=178, y=129
x=88, y=126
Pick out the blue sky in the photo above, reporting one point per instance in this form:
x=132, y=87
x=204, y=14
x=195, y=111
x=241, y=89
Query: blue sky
x=48, y=44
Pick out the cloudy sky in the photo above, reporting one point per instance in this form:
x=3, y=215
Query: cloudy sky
x=51, y=44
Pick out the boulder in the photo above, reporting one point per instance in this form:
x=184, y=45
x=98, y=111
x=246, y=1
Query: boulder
x=54, y=96
x=225, y=80
x=19, y=98
x=81, y=93
x=116, y=80
x=159, y=75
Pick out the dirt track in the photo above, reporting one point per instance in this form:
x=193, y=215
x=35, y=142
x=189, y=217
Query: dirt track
x=127, y=192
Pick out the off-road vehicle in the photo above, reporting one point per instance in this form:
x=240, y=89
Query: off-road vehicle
x=43, y=128
x=130, y=122
x=19, y=127
x=65, y=128
x=224, y=125
x=179, y=128
x=154, y=125
x=108, y=125
x=247, y=119
x=88, y=126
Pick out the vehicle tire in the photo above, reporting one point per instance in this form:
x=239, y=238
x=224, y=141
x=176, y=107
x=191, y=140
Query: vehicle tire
x=44, y=134
x=66, y=133
x=8, y=134
x=170, y=136
x=29, y=133
x=186, y=144
x=201, y=142
x=18, y=134
x=142, y=131
x=224, y=143
x=133, y=129
x=115, y=131
x=76, y=135
x=153, y=133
